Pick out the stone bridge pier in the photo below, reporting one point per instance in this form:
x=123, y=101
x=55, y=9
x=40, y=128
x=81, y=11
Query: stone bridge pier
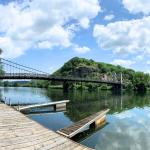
x=117, y=87
x=65, y=86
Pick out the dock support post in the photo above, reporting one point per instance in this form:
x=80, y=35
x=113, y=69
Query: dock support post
x=5, y=101
x=100, y=121
x=18, y=106
x=60, y=107
x=9, y=102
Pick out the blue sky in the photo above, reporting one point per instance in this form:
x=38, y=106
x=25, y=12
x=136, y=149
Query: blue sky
x=45, y=34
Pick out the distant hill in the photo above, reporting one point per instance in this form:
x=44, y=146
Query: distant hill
x=81, y=67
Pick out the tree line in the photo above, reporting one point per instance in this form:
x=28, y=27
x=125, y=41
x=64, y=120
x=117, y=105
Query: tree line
x=85, y=68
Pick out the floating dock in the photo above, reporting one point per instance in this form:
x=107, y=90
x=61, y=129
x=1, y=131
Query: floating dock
x=57, y=105
x=79, y=126
x=20, y=132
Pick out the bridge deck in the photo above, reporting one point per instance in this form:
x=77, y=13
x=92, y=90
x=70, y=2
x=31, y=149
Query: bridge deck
x=43, y=105
x=19, y=132
x=58, y=78
x=80, y=125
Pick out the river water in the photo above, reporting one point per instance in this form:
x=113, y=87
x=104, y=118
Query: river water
x=128, y=122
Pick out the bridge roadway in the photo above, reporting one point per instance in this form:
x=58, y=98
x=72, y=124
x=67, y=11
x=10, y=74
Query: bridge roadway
x=20, y=132
x=56, y=78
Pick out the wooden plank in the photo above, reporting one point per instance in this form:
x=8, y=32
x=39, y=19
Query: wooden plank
x=22, y=133
x=42, y=105
x=80, y=125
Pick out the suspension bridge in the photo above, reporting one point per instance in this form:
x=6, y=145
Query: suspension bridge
x=12, y=70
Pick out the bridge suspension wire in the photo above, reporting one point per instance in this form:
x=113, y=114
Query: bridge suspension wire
x=13, y=70
x=13, y=67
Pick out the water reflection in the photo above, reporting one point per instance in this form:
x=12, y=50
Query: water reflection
x=126, y=131
x=128, y=119
x=86, y=103
x=24, y=95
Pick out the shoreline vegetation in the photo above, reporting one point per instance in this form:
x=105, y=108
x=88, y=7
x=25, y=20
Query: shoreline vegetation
x=84, y=68
x=76, y=87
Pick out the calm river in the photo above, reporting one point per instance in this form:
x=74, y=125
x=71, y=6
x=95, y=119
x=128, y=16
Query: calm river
x=128, y=122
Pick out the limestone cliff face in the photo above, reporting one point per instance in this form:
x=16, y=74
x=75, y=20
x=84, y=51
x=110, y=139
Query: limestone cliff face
x=83, y=71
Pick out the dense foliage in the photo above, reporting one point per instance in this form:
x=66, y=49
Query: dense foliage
x=84, y=68
x=81, y=67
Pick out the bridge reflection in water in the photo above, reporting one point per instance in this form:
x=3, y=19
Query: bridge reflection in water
x=85, y=103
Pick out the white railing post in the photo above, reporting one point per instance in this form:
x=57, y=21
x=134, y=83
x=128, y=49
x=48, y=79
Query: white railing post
x=18, y=106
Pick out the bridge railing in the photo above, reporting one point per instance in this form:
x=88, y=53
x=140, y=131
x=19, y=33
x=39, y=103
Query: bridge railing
x=13, y=70
x=23, y=75
x=57, y=78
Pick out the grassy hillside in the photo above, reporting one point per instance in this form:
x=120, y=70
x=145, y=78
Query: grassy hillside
x=81, y=67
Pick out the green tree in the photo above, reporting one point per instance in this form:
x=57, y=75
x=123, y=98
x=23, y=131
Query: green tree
x=81, y=67
x=6, y=83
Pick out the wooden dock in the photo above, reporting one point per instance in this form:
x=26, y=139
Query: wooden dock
x=18, y=132
x=57, y=105
x=79, y=126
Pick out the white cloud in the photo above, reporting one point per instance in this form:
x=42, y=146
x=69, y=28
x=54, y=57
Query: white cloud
x=81, y=50
x=43, y=24
x=124, y=37
x=137, y=6
x=124, y=63
x=148, y=62
x=109, y=17
x=58, y=35
x=139, y=57
x=84, y=23
x=128, y=130
x=125, y=114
